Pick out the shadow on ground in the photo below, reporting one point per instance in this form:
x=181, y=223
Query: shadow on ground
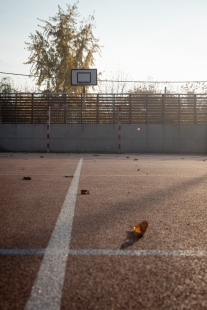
x=131, y=239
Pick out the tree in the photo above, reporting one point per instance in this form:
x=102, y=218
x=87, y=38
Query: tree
x=7, y=85
x=61, y=46
x=117, y=83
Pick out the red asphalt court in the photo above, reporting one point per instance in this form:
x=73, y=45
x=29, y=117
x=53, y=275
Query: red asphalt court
x=105, y=266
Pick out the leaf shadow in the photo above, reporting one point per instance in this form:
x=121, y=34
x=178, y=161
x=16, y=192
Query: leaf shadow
x=131, y=239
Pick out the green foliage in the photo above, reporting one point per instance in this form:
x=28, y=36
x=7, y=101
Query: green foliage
x=61, y=46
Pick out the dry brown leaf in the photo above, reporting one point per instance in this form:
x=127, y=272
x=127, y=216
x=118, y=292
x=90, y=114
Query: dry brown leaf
x=85, y=192
x=139, y=229
x=27, y=178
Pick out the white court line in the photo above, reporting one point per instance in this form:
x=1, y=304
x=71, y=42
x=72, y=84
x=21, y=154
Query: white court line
x=107, y=252
x=196, y=253
x=22, y=251
x=47, y=290
x=70, y=176
x=141, y=175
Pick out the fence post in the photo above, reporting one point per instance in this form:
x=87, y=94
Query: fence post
x=119, y=130
x=146, y=109
x=178, y=109
x=163, y=109
x=81, y=108
x=195, y=117
x=48, y=126
x=16, y=108
x=130, y=108
x=97, y=109
x=64, y=109
x=114, y=108
x=32, y=111
x=1, y=109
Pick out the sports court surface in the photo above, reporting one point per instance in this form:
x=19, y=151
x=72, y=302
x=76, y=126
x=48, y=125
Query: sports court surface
x=63, y=250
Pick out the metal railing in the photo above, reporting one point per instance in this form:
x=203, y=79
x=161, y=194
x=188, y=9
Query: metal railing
x=31, y=108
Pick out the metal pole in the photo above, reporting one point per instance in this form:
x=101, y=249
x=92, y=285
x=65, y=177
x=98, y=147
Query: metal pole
x=48, y=127
x=84, y=95
x=119, y=130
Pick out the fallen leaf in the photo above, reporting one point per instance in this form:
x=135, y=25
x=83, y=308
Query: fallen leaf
x=139, y=229
x=85, y=192
x=27, y=178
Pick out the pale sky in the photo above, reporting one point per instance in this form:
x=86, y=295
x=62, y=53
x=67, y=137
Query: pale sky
x=161, y=39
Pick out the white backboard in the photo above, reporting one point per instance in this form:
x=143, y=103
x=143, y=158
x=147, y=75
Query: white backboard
x=83, y=77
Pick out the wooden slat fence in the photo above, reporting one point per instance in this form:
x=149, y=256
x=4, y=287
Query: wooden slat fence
x=31, y=108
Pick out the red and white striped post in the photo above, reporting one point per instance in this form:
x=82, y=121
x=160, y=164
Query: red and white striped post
x=48, y=128
x=119, y=130
x=48, y=118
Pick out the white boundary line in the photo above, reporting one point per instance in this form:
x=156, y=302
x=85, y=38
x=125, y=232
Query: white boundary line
x=47, y=290
x=40, y=174
x=140, y=252
x=22, y=251
x=106, y=175
x=96, y=252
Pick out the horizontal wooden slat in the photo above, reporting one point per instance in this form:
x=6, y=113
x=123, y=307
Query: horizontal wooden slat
x=103, y=108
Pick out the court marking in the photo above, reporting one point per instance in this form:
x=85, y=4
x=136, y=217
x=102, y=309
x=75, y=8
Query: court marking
x=21, y=251
x=23, y=173
x=141, y=175
x=94, y=252
x=107, y=175
x=106, y=252
x=196, y=253
x=47, y=289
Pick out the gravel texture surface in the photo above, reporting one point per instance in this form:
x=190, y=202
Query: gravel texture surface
x=135, y=283
x=169, y=191
x=17, y=275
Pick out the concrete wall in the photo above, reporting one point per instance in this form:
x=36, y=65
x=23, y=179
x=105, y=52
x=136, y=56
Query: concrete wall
x=103, y=138
x=168, y=138
x=23, y=137
x=84, y=138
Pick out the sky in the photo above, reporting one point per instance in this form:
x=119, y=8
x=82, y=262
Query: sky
x=162, y=40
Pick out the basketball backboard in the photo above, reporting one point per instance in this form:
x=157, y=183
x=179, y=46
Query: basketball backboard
x=83, y=77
